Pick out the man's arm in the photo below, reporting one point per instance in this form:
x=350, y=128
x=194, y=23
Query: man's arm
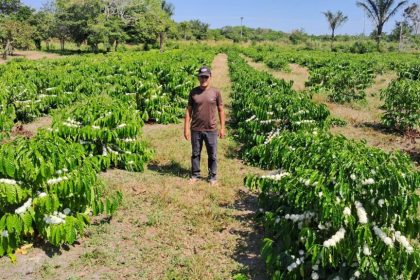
x=187, y=122
x=221, y=111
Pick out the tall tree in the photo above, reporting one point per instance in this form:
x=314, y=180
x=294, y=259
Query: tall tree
x=74, y=17
x=168, y=9
x=184, y=30
x=412, y=16
x=380, y=11
x=14, y=34
x=42, y=23
x=335, y=20
x=199, y=29
x=8, y=7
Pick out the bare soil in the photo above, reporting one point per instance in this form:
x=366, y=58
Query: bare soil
x=166, y=228
x=31, y=129
x=31, y=55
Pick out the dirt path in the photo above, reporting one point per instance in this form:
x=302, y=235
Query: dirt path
x=166, y=228
x=31, y=55
x=298, y=74
x=31, y=129
x=363, y=122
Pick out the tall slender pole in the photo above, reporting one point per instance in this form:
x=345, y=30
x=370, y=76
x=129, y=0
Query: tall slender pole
x=400, y=46
x=242, y=18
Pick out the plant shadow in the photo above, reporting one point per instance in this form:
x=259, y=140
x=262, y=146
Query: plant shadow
x=51, y=250
x=248, y=248
x=74, y=52
x=380, y=128
x=172, y=168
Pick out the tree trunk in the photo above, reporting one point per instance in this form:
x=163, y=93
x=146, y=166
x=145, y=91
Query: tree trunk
x=378, y=38
x=6, y=49
x=161, y=40
x=37, y=44
x=116, y=45
x=62, y=44
x=95, y=47
x=332, y=39
x=47, y=44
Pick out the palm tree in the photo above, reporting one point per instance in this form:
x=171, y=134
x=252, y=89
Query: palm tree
x=380, y=11
x=168, y=9
x=335, y=20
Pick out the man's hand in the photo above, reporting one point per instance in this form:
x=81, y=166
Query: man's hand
x=222, y=133
x=187, y=131
x=187, y=134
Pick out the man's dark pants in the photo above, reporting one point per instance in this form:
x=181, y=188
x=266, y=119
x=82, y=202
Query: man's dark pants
x=210, y=140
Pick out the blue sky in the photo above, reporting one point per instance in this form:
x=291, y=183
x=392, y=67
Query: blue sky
x=276, y=14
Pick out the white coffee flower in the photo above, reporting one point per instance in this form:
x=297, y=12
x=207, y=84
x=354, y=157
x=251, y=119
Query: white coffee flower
x=369, y=181
x=41, y=195
x=57, y=180
x=404, y=242
x=388, y=241
x=361, y=213
x=8, y=182
x=24, y=207
x=337, y=237
x=347, y=211
x=366, y=250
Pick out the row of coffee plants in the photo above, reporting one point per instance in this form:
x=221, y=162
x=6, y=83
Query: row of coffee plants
x=344, y=77
x=341, y=79
x=273, y=60
x=48, y=188
x=270, y=109
x=335, y=208
x=108, y=130
x=402, y=100
x=402, y=105
x=157, y=83
x=48, y=184
x=7, y=115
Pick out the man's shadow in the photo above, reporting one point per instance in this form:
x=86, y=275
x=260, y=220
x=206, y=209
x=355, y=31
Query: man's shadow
x=171, y=168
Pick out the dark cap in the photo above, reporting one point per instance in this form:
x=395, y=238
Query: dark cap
x=204, y=71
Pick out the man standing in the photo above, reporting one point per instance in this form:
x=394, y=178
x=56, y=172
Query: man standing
x=201, y=126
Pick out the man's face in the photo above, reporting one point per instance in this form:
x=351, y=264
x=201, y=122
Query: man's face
x=204, y=81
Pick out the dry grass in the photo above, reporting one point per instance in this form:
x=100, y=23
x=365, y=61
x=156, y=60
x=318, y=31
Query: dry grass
x=166, y=228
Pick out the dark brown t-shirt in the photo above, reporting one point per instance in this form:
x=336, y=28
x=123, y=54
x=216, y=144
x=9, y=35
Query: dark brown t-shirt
x=204, y=105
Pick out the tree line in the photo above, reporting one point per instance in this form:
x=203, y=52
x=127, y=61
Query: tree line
x=112, y=22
